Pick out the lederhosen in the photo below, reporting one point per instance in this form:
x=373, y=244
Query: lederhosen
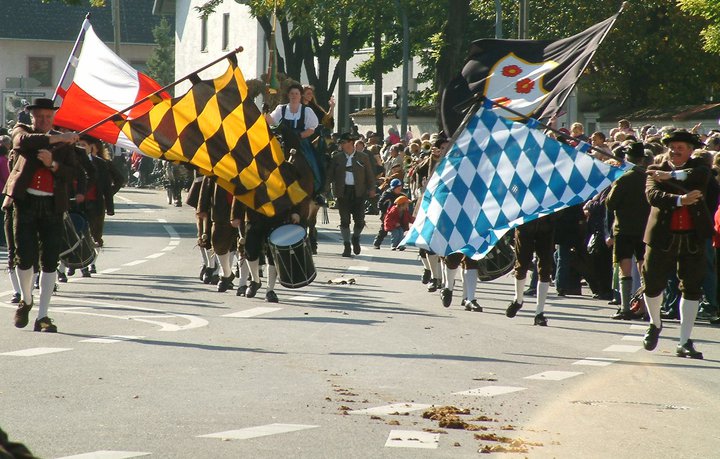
x=535, y=237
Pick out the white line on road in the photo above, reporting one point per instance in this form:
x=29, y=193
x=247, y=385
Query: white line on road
x=491, y=391
x=358, y=268
x=252, y=312
x=259, y=431
x=135, y=263
x=412, y=439
x=109, y=270
x=596, y=361
x=308, y=297
x=622, y=348
x=110, y=339
x=638, y=327
x=394, y=408
x=637, y=338
x=107, y=455
x=156, y=255
x=554, y=375
x=32, y=352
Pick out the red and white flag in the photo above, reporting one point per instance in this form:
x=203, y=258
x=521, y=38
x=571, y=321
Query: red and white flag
x=101, y=85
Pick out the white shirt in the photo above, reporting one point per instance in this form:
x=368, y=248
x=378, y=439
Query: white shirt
x=311, y=121
x=349, y=177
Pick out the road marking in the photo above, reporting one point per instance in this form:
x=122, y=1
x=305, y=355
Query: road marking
x=259, y=431
x=110, y=339
x=394, y=408
x=358, y=268
x=32, y=352
x=174, y=242
x=622, y=348
x=171, y=231
x=107, y=455
x=491, y=391
x=156, y=255
x=637, y=338
x=252, y=312
x=638, y=327
x=554, y=375
x=109, y=270
x=596, y=361
x=168, y=248
x=308, y=297
x=412, y=439
x=194, y=322
x=135, y=263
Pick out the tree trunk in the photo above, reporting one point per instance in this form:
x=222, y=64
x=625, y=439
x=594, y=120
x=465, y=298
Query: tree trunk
x=453, y=51
x=378, y=73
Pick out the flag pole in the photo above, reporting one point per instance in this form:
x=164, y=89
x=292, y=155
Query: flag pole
x=191, y=75
x=72, y=54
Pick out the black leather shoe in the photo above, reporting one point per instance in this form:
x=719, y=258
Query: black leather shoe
x=93, y=269
x=252, y=289
x=688, y=350
x=61, y=277
x=446, y=297
x=15, y=299
x=426, y=276
x=473, y=305
x=434, y=285
x=513, y=309
x=225, y=283
x=22, y=313
x=271, y=297
x=715, y=321
x=71, y=271
x=202, y=272
x=540, y=320
x=346, y=253
x=241, y=290
x=45, y=325
x=530, y=292
x=622, y=315
x=614, y=302
x=85, y=272
x=356, y=245
x=651, y=337
x=669, y=315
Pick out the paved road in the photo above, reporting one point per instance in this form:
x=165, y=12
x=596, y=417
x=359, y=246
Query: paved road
x=151, y=362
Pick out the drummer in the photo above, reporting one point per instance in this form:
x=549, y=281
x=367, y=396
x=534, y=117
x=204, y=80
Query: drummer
x=257, y=230
x=38, y=189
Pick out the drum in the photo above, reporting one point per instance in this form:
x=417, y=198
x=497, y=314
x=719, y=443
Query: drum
x=500, y=260
x=78, y=250
x=292, y=255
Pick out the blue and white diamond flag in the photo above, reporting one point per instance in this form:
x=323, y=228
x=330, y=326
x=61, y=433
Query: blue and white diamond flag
x=498, y=175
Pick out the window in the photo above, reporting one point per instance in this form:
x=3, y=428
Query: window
x=226, y=31
x=387, y=100
x=40, y=69
x=203, y=35
x=359, y=102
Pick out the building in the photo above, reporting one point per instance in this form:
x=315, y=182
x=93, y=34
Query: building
x=36, y=40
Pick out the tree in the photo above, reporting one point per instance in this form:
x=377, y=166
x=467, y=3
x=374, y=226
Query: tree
x=96, y=3
x=161, y=65
x=710, y=10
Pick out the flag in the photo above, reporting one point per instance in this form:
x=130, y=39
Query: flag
x=498, y=175
x=219, y=130
x=98, y=83
x=533, y=77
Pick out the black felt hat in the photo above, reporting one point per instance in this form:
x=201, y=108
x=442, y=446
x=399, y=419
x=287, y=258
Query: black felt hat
x=347, y=137
x=42, y=102
x=681, y=135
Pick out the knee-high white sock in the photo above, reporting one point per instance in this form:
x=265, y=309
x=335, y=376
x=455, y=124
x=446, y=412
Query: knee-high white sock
x=425, y=262
x=470, y=279
x=254, y=270
x=519, y=290
x=225, y=264
x=652, y=305
x=61, y=267
x=204, y=256
x=449, y=277
x=212, y=259
x=435, y=271
x=688, y=313
x=14, y=281
x=47, y=285
x=25, y=279
x=244, y=272
x=542, y=291
x=272, y=277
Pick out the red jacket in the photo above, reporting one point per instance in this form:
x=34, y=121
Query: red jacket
x=395, y=219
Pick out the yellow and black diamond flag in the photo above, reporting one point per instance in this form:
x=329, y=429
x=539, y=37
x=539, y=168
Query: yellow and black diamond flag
x=216, y=129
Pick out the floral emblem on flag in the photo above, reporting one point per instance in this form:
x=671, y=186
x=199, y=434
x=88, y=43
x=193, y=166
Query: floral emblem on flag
x=511, y=70
x=524, y=86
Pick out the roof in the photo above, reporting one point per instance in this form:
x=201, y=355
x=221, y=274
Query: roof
x=679, y=113
x=61, y=22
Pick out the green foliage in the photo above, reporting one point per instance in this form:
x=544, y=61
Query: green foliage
x=161, y=65
x=96, y=3
x=710, y=10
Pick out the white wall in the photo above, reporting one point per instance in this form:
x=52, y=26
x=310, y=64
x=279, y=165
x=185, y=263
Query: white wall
x=244, y=31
